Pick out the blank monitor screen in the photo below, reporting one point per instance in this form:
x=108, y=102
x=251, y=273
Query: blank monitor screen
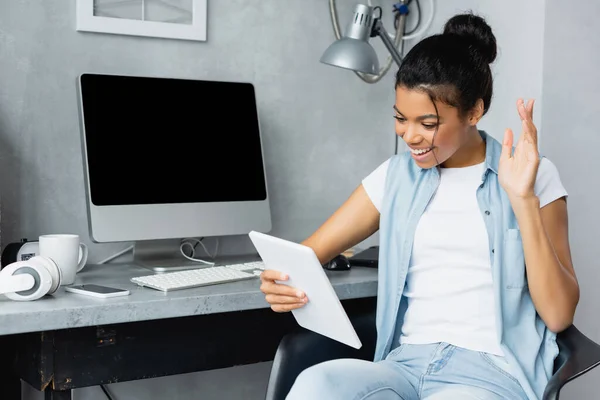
x=158, y=141
x=171, y=158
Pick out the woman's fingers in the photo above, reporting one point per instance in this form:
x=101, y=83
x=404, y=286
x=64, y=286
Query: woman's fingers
x=279, y=299
x=268, y=287
x=272, y=275
x=285, y=307
x=525, y=110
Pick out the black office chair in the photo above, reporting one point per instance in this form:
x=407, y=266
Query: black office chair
x=300, y=350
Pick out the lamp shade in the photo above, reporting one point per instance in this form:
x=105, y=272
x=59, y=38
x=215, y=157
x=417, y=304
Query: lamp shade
x=353, y=50
x=354, y=54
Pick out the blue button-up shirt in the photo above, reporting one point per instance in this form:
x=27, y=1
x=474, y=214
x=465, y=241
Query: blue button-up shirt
x=528, y=345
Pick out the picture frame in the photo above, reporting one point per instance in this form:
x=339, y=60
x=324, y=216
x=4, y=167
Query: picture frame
x=171, y=19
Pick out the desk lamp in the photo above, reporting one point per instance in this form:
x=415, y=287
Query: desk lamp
x=353, y=51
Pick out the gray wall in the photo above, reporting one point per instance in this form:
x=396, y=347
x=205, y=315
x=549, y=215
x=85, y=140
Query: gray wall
x=570, y=127
x=323, y=127
x=310, y=128
x=517, y=70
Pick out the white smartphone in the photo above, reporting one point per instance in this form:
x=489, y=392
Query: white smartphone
x=97, y=291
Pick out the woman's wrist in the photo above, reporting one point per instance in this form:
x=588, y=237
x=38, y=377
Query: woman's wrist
x=523, y=205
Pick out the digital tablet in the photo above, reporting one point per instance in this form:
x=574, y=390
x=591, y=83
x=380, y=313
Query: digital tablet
x=323, y=313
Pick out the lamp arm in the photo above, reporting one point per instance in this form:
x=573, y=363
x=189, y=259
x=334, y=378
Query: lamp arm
x=379, y=30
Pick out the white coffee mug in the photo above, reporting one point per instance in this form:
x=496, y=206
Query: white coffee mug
x=67, y=251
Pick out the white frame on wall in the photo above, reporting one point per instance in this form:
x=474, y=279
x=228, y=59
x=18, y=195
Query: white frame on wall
x=87, y=21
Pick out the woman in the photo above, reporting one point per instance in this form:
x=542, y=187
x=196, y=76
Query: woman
x=475, y=271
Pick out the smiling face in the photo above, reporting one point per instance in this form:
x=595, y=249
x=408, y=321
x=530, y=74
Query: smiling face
x=435, y=132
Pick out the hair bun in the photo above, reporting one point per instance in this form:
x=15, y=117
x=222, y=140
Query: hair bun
x=474, y=30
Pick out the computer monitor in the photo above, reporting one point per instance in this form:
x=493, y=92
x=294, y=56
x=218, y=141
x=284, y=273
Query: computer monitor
x=170, y=158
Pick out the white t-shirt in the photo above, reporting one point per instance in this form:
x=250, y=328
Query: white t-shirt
x=449, y=281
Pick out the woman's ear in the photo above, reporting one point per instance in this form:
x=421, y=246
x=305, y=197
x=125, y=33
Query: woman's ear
x=476, y=113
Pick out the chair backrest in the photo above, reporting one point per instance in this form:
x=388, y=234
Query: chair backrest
x=582, y=353
x=302, y=349
x=564, y=349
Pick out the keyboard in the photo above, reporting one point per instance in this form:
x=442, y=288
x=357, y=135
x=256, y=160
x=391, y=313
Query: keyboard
x=200, y=277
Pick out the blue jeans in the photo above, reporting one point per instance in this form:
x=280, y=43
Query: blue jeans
x=430, y=371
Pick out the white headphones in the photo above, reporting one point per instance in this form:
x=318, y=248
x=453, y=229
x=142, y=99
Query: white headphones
x=31, y=279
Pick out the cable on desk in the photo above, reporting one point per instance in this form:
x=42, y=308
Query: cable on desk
x=108, y=396
x=192, y=243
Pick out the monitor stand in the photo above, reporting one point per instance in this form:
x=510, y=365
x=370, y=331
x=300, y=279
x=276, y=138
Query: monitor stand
x=165, y=256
